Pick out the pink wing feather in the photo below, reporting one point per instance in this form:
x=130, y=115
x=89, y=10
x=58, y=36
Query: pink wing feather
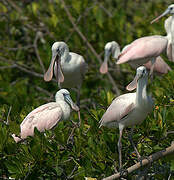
x=43, y=118
x=160, y=66
x=120, y=107
x=143, y=48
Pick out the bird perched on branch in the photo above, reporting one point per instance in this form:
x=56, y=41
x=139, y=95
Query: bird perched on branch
x=169, y=26
x=129, y=109
x=113, y=48
x=69, y=67
x=47, y=116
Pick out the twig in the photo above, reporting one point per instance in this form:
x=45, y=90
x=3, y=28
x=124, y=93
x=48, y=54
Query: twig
x=89, y=45
x=169, y=132
x=18, y=48
x=169, y=176
x=28, y=71
x=24, y=69
x=18, y=9
x=74, y=169
x=7, y=122
x=38, y=34
x=7, y=67
x=44, y=91
x=144, y=162
x=78, y=20
x=14, y=6
x=105, y=10
x=68, y=140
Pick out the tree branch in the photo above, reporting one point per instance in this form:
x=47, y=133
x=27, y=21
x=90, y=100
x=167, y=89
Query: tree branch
x=22, y=68
x=144, y=162
x=89, y=45
x=38, y=35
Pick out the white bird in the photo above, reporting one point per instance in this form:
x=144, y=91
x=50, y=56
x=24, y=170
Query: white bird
x=112, y=48
x=129, y=109
x=47, y=116
x=169, y=26
x=69, y=67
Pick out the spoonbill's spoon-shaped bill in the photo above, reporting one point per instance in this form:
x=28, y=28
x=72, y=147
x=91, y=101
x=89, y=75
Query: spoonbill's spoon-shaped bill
x=47, y=116
x=169, y=27
x=169, y=10
x=133, y=84
x=111, y=48
x=69, y=68
x=129, y=109
x=55, y=58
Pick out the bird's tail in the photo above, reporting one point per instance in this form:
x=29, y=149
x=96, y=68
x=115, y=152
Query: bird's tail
x=16, y=138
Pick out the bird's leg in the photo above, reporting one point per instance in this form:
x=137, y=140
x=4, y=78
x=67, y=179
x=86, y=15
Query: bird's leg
x=57, y=75
x=123, y=172
x=152, y=67
x=119, y=149
x=131, y=141
x=78, y=95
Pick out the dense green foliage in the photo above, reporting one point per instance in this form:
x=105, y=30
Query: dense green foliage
x=27, y=31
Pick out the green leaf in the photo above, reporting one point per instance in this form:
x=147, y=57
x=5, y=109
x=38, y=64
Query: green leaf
x=35, y=7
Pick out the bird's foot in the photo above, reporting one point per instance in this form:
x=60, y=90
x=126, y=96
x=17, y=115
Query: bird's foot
x=75, y=124
x=123, y=173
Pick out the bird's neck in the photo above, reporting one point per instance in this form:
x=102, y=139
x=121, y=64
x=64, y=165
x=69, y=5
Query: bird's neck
x=172, y=28
x=115, y=52
x=64, y=57
x=141, y=93
x=66, y=109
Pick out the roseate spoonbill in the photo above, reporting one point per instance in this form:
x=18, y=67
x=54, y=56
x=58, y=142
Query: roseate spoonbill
x=113, y=48
x=69, y=67
x=169, y=25
x=47, y=116
x=144, y=49
x=129, y=109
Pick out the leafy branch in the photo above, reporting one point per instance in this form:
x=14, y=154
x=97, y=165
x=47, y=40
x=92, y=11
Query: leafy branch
x=149, y=160
x=89, y=45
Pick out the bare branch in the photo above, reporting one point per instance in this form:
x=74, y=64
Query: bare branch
x=105, y=10
x=38, y=34
x=18, y=48
x=18, y=9
x=145, y=162
x=7, y=122
x=44, y=91
x=28, y=71
x=22, y=68
x=7, y=67
x=14, y=6
x=89, y=45
x=79, y=18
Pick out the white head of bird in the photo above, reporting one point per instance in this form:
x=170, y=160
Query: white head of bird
x=59, y=48
x=47, y=116
x=169, y=10
x=64, y=95
x=111, y=48
x=141, y=75
x=59, y=52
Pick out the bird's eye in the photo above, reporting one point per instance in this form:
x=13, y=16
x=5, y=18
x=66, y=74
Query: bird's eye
x=171, y=8
x=110, y=49
x=64, y=94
